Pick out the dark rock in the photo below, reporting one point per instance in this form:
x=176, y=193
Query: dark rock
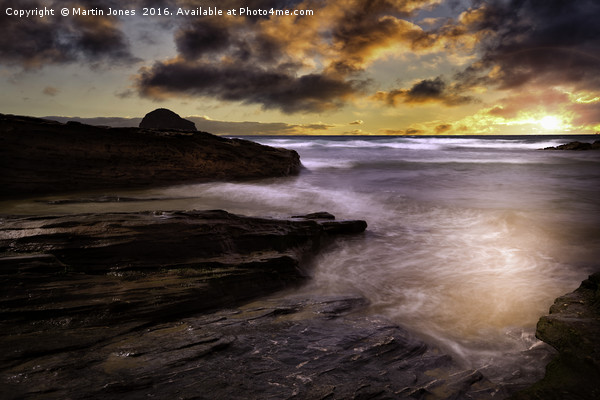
x=161, y=118
x=577, y=146
x=344, y=227
x=146, y=265
x=316, y=215
x=274, y=349
x=43, y=157
x=572, y=328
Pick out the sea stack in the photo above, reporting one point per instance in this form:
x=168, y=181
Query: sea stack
x=161, y=118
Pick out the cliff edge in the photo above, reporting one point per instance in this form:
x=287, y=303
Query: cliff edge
x=40, y=156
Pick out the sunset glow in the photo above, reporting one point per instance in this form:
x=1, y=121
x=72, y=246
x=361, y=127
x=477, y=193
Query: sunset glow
x=420, y=67
x=550, y=123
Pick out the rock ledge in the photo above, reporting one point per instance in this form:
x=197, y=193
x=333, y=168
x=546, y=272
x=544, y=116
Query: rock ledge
x=44, y=157
x=572, y=328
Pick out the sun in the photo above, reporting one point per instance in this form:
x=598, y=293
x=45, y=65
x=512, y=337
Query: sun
x=550, y=123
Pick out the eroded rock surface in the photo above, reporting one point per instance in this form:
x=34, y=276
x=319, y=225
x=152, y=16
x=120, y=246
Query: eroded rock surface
x=155, y=304
x=149, y=265
x=281, y=349
x=43, y=157
x=572, y=328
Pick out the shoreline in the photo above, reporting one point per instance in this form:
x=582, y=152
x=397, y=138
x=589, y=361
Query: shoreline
x=120, y=273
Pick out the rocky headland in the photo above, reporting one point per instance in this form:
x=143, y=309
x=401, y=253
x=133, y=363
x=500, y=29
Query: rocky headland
x=45, y=157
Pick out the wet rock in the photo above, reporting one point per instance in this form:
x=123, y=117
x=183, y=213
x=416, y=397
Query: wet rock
x=577, y=146
x=161, y=118
x=105, y=268
x=43, y=157
x=92, y=304
x=280, y=348
x=572, y=328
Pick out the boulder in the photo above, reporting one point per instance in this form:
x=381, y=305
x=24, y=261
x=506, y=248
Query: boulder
x=161, y=118
x=46, y=157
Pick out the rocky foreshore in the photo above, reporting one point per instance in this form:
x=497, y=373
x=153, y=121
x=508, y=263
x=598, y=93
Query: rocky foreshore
x=72, y=283
x=40, y=156
x=155, y=304
x=573, y=329
x=150, y=266
x=576, y=146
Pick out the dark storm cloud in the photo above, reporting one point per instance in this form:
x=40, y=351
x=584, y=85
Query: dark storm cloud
x=201, y=38
x=270, y=62
x=208, y=36
x=269, y=87
x=425, y=91
x=537, y=41
x=35, y=41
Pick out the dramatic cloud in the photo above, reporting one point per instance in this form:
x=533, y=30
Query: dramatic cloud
x=271, y=88
x=291, y=64
x=34, y=42
x=425, y=91
x=209, y=36
x=543, y=42
x=518, y=59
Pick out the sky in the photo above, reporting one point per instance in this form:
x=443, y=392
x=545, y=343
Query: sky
x=349, y=67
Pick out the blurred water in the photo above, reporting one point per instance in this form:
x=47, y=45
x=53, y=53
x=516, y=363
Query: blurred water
x=470, y=239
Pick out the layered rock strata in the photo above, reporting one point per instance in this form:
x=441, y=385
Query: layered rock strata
x=573, y=328
x=295, y=348
x=77, y=288
x=43, y=157
x=149, y=265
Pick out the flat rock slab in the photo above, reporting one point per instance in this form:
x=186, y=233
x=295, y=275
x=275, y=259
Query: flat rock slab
x=109, y=267
x=39, y=156
x=280, y=349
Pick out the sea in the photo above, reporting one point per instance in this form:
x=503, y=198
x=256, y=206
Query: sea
x=469, y=240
